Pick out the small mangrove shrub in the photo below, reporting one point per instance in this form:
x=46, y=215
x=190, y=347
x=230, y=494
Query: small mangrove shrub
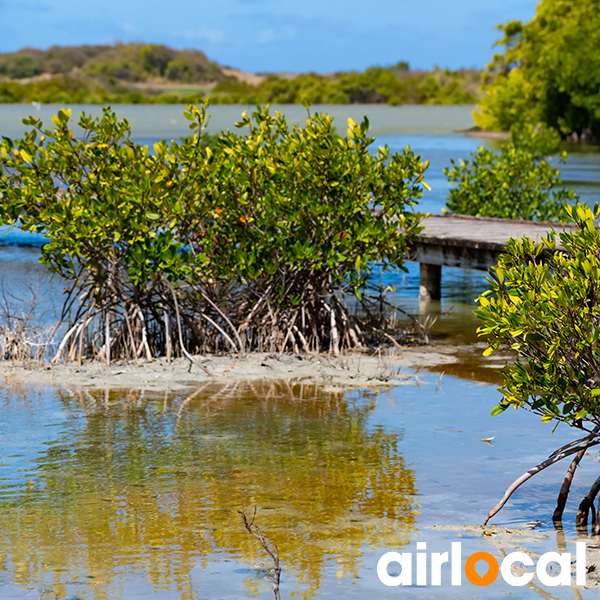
x=517, y=182
x=252, y=241
x=544, y=305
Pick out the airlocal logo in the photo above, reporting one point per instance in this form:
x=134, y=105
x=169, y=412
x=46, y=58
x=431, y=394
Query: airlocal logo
x=437, y=559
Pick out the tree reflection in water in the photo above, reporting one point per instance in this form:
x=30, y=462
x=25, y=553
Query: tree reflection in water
x=152, y=485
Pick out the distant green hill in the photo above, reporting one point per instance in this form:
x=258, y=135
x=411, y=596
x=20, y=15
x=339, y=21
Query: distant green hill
x=151, y=73
x=124, y=62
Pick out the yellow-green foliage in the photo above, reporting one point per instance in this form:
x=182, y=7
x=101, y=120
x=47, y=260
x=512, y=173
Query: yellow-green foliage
x=548, y=312
x=68, y=89
x=139, y=62
x=60, y=89
x=549, y=71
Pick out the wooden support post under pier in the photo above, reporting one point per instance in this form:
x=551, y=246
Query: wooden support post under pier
x=469, y=243
x=430, y=282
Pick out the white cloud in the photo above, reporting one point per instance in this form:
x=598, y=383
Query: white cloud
x=267, y=36
x=209, y=34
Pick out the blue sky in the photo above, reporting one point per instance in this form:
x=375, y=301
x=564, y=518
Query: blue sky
x=275, y=35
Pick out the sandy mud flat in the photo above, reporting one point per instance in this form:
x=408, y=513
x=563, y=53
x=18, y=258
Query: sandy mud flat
x=356, y=370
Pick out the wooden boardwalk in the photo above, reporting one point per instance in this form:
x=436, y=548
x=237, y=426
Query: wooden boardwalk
x=466, y=242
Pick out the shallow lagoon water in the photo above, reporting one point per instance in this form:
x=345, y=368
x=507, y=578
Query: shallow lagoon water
x=117, y=494
x=121, y=495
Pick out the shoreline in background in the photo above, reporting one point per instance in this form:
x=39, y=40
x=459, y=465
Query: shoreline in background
x=477, y=132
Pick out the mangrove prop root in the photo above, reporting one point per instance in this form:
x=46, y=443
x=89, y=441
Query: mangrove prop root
x=387, y=336
x=254, y=530
x=107, y=338
x=591, y=435
x=227, y=320
x=248, y=319
x=130, y=321
x=131, y=340
x=287, y=335
x=335, y=346
x=303, y=340
x=221, y=330
x=596, y=525
x=86, y=321
x=561, y=501
x=144, y=343
x=64, y=342
x=182, y=345
x=167, y=337
x=529, y=474
x=587, y=505
x=421, y=326
x=566, y=485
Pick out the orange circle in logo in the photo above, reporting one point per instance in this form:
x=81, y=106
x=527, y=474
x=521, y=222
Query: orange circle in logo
x=473, y=576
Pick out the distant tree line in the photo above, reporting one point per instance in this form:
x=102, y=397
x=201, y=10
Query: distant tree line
x=151, y=73
x=69, y=89
x=376, y=85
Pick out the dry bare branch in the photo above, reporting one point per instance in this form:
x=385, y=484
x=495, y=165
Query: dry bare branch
x=254, y=530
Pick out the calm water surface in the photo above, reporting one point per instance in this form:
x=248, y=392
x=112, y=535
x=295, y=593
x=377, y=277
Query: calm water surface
x=120, y=494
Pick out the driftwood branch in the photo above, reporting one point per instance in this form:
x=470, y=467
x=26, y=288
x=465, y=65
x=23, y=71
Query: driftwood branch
x=254, y=529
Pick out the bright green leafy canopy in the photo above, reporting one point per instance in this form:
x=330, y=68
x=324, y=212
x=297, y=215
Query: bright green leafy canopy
x=549, y=71
x=516, y=182
x=544, y=304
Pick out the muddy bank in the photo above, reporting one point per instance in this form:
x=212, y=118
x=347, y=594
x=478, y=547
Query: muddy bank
x=477, y=132
x=534, y=538
x=356, y=370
